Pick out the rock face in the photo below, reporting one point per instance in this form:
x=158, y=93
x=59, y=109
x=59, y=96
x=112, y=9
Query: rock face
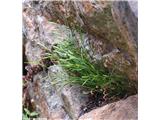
x=40, y=33
x=109, y=33
x=72, y=96
x=47, y=102
x=54, y=102
x=122, y=110
x=125, y=16
x=112, y=23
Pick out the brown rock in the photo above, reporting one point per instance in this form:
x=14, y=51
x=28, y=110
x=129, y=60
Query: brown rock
x=122, y=110
x=40, y=33
x=125, y=16
x=114, y=23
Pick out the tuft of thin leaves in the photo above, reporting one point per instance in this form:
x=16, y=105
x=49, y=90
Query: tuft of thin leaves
x=83, y=72
x=27, y=115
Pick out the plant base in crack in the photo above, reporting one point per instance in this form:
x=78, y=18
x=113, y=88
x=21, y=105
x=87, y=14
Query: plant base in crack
x=84, y=72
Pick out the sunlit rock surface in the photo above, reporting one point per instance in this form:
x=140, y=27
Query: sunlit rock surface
x=121, y=110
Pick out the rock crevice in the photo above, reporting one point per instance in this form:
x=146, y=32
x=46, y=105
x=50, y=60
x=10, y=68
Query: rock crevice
x=109, y=33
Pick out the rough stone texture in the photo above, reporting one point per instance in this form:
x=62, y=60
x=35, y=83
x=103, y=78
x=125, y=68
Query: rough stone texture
x=102, y=19
x=47, y=102
x=126, y=20
x=54, y=102
x=122, y=110
x=40, y=33
x=134, y=6
x=108, y=38
x=73, y=96
x=75, y=99
x=125, y=15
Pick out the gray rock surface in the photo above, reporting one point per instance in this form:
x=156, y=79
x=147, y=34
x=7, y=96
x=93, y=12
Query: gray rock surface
x=134, y=6
x=75, y=99
x=47, y=102
x=73, y=96
x=125, y=16
x=54, y=102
